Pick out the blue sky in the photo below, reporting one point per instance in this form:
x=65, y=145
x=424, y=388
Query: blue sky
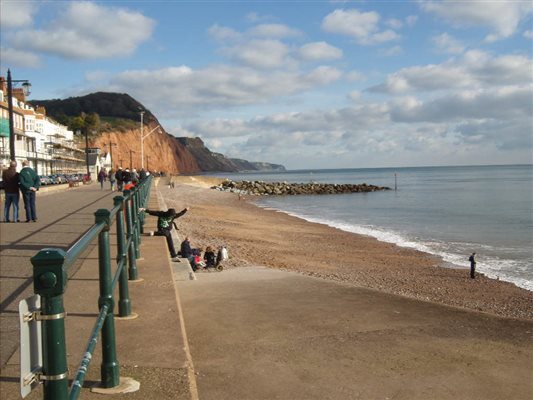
x=307, y=84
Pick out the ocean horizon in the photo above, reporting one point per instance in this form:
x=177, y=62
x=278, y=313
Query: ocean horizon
x=447, y=211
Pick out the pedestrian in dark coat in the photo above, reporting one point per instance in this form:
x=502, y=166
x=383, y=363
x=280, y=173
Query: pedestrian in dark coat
x=101, y=178
x=126, y=176
x=473, y=263
x=29, y=185
x=119, y=178
x=10, y=177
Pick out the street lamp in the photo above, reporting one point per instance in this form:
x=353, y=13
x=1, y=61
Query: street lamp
x=26, y=85
x=131, y=159
x=144, y=137
x=111, y=145
x=142, y=144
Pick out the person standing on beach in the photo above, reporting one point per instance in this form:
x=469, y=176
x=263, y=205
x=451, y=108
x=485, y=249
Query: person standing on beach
x=29, y=184
x=10, y=177
x=472, y=260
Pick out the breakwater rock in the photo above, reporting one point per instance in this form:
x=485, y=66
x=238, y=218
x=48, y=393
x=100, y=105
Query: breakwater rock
x=260, y=188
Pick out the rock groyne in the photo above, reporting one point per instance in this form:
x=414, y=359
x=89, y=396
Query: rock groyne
x=260, y=188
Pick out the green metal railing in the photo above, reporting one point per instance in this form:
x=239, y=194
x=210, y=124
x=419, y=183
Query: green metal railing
x=50, y=276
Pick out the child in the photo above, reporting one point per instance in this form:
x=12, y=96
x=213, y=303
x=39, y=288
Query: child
x=209, y=257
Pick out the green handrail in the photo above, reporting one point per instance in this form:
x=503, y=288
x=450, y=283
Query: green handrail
x=50, y=275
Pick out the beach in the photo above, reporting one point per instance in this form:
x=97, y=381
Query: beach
x=257, y=236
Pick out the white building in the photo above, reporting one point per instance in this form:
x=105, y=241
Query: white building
x=46, y=144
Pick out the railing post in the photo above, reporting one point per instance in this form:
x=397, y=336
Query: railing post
x=132, y=259
x=50, y=281
x=136, y=225
x=110, y=369
x=124, y=303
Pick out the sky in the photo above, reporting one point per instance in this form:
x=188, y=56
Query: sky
x=306, y=84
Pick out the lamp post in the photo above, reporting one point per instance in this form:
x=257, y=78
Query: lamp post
x=26, y=88
x=131, y=159
x=142, y=144
x=143, y=136
x=111, y=144
x=142, y=127
x=148, y=163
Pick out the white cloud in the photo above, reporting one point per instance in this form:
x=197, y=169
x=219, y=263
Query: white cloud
x=223, y=33
x=276, y=31
x=182, y=90
x=502, y=17
x=447, y=44
x=411, y=20
x=392, y=51
x=475, y=69
x=362, y=26
x=14, y=14
x=394, y=23
x=259, y=53
x=89, y=31
x=319, y=51
x=19, y=58
x=528, y=34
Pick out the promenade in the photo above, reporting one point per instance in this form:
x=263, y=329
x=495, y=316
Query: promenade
x=258, y=333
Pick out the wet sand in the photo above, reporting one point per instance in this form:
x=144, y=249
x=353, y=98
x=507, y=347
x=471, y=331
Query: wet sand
x=255, y=236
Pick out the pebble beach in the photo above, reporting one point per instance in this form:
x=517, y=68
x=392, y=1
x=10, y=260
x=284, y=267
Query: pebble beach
x=256, y=236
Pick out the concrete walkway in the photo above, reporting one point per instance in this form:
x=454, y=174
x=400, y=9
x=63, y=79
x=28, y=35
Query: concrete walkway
x=258, y=333
x=150, y=348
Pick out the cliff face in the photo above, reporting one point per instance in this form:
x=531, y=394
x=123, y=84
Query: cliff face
x=162, y=152
x=207, y=160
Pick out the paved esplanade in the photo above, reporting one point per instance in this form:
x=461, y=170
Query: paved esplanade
x=63, y=215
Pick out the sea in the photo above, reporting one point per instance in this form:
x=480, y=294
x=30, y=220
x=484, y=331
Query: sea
x=449, y=211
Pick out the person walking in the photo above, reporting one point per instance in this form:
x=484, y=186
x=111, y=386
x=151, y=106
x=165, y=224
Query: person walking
x=134, y=177
x=10, y=177
x=120, y=179
x=29, y=185
x=101, y=178
x=472, y=260
x=112, y=179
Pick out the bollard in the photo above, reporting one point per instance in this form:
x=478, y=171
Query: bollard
x=110, y=369
x=132, y=263
x=124, y=302
x=50, y=281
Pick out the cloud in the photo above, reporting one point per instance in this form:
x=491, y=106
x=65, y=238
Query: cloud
x=259, y=53
x=182, y=90
x=361, y=26
x=14, y=14
x=474, y=70
x=223, y=33
x=277, y=31
x=528, y=34
x=319, y=51
x=88, y=31
x=506, y=103
x=502, y=17
x=19, y=58
x=447, y=44
x=392, y=51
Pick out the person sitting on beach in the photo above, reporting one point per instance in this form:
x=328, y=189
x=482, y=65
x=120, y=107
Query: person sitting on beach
x=196, y=260
x=186, y=250
x=165, y=222
x=209, y=257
